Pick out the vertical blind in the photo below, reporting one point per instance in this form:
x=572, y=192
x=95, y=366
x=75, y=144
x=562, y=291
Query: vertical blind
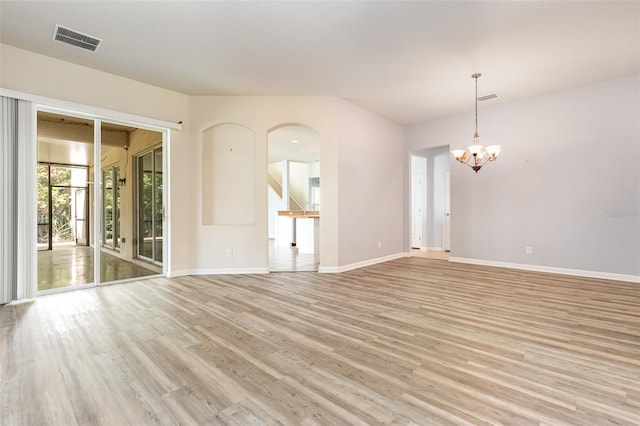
x=8, y=200
x=17, y=200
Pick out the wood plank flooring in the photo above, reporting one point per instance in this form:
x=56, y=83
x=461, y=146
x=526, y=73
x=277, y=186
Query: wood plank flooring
x=411, y=341
x=289, y=259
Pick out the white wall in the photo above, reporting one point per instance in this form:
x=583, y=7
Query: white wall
x=567, y=182
x=274, y=204
x=371, y=172
x=41, y=75
x=299, y=182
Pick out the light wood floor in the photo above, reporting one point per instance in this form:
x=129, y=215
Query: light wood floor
x=411, y=341
x=289, y=259
x=430, y=254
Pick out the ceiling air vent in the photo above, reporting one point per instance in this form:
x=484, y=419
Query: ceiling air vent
x=74, y=38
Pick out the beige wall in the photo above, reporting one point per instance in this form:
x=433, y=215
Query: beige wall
x=260, y=114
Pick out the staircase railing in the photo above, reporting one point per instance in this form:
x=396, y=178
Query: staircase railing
x=277, y=187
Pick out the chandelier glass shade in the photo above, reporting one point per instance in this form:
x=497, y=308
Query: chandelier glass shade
x=476, y=156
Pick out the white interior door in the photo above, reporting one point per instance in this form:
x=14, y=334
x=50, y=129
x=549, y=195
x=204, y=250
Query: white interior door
x=416, y=208
x=447, y=212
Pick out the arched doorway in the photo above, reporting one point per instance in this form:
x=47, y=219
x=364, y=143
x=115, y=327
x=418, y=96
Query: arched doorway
x=293, y=198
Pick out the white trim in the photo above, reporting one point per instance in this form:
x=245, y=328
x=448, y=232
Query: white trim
x=369, y=262
x=20, y=301
x=180, y=273
x=166, y=202
x=221, y=271
x=129, y=280
x=93, y=285
x=549, y=269
x=65, y=289
x=73, y=108
x=97, y=199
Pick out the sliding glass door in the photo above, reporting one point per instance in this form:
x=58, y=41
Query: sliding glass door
x=149, y=205
x=99, y=201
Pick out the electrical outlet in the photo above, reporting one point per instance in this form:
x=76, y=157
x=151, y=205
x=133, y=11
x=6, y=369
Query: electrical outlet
x=379, y=244
x=229, y=253
x=528, y=250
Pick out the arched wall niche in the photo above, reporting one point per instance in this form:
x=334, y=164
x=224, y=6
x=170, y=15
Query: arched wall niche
x=228, y=175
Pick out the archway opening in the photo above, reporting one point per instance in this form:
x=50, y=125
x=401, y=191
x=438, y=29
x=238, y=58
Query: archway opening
x=293, y=198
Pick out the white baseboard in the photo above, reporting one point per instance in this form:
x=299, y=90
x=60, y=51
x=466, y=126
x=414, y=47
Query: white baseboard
x=369, y=262
x=549, y=269
x=221, y=271
x=179, y=273
x=20, y=301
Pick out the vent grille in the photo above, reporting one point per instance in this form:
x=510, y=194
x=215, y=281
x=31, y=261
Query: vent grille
x=74, y=38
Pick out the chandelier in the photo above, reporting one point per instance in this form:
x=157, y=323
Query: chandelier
x=476, y=156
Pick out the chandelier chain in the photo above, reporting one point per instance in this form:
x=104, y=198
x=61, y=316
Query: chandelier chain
x=476, y=78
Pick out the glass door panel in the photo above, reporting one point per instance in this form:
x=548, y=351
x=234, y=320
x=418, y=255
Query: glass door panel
x=65, y=157
x=44, y=242
x=149, y=203
x=81, y=211
x=116, y=207
x=107, y=208
x=111, y=207
x=158, y=209
x=62, y=217
x=115, y=255
x=145, y=206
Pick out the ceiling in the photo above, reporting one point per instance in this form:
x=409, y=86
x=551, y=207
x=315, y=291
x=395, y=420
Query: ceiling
x=295, y=143
x=409, y=61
